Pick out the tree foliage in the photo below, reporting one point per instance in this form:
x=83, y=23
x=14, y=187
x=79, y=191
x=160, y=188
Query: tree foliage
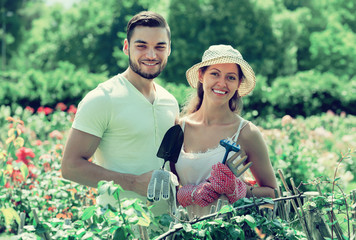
x=196, y=25
x=281, y=39
x=11, y=24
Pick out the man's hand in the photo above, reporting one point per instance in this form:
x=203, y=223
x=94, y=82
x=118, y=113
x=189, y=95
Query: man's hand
x=160, y=184
x=140, y=183
x=163, y=186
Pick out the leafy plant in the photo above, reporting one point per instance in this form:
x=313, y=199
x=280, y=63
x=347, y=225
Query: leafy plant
x=33, y=192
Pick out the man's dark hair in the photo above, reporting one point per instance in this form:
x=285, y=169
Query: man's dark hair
x=146, y=19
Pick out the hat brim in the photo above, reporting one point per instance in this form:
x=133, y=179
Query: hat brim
x=248, y=82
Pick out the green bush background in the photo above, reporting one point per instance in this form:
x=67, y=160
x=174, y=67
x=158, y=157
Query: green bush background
x=303, y=53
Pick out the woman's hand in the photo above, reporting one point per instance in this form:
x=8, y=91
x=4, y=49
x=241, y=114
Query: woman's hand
x=224, y=181
x=202, y=194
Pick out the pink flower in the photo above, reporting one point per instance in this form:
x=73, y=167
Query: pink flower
x=56, y=134
x=287, y=119
x=61, y=106
x=72, y=109
x=330, y=113
x=46, y=157
x=45, y=110
x=30, y=109
x=322, y=132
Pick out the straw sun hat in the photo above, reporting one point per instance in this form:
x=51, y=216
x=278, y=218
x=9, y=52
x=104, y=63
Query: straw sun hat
x=217, y=54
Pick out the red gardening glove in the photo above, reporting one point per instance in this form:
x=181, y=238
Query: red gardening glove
x=224, y=181
x=202, y=194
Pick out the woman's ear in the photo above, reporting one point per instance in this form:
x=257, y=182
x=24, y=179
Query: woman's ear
x=200, y=75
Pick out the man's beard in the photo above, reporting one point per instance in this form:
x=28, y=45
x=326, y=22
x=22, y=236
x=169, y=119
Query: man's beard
x=137, y=70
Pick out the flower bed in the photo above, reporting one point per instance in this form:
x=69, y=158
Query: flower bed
x=32, y=190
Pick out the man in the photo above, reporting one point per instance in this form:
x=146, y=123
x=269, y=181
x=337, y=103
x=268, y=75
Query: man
x=122, y=122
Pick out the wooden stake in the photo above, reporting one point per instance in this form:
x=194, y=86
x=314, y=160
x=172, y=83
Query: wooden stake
x=335, y=227
x=301, y=220
x=298, y=199
x=143, y=232
x=22, y=222
x=45, y=235
x=353, y=212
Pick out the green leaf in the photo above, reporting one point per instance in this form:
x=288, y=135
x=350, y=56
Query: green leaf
x=24, y=170
x=10, y=215
x=236, y=232
x=2, y=178
x=144, y=220
x=120, y=234
x=250, y=221
x=277, y=223
x=88, y=213
x=226, y=209
x=187, y=227
x=41, y=228
x=336, y=179
x=103, y=187
x=88, y=235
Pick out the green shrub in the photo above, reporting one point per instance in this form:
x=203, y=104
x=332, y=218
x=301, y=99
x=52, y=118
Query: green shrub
x=304, y=94
x=36, y=88
x=308, y=93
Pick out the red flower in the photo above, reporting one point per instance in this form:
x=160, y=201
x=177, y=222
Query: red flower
x=31, y=169
x=61, y=106
x=30, y=109
x=47, y=167
x=17, y=176
x=51, y=209
x=45, y=110
x=47, y=197
x=40, y=109
x=23, y=153
x=72, y=109
x=250, y=181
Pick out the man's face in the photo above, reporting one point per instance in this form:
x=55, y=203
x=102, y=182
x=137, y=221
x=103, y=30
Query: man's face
x=148, y=51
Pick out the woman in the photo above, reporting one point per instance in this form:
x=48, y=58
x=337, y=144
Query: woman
x=221, y=79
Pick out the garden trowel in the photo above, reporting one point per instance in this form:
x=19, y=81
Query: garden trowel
x=171, y=145
x=162, y=181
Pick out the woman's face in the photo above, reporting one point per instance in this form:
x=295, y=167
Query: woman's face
x=220, y=81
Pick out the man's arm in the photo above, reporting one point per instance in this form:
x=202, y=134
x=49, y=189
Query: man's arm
x=79, y=148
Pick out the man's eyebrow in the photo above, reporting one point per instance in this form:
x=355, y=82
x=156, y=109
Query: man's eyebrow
x=144, y=42
x=140, y=41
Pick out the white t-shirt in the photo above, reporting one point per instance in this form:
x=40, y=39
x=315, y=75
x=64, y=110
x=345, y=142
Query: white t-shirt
x=130, y=127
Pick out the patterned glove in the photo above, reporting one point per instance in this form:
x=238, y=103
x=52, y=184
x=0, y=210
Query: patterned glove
x=202, y=194
x=224, y=181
